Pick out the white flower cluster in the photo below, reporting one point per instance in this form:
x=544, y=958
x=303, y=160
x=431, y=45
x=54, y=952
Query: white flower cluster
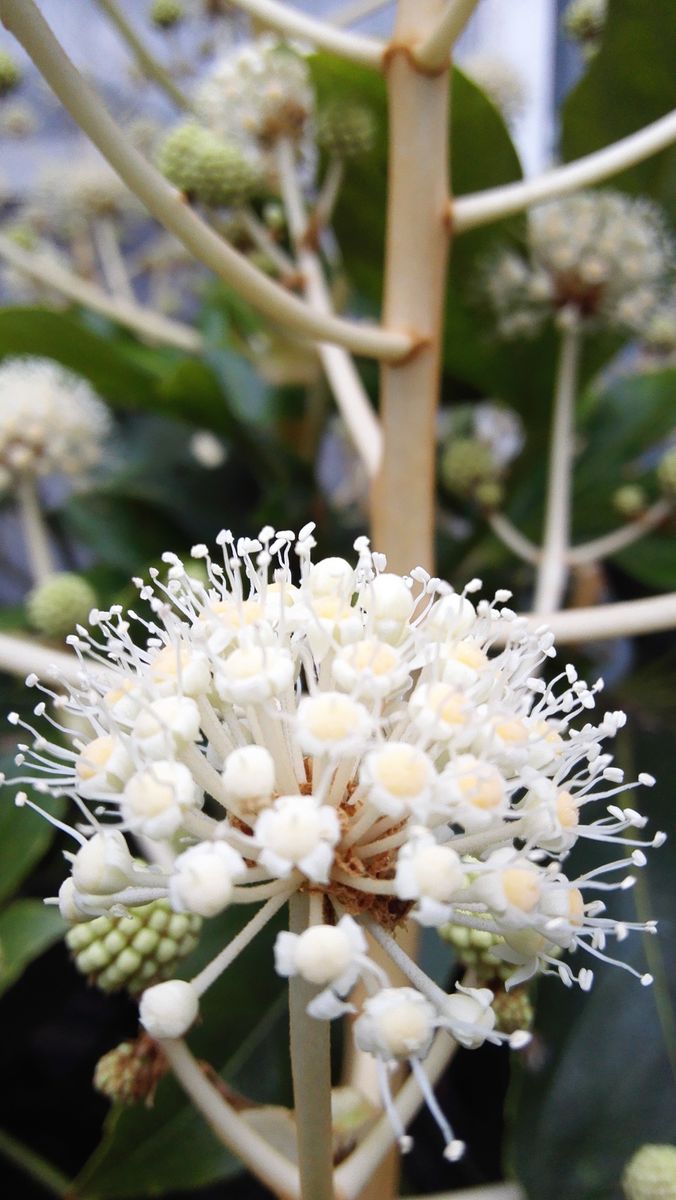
x=602, y=255
x=380, y=742
x=51, y=421
x=257, y=93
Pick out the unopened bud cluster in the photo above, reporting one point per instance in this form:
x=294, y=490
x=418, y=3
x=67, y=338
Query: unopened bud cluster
x=62, y=601
x=584, y=22
x=133, y=950
x=346, y=130
x=651, y=1174
x=286, y=724
x=478, y=445
x=166, y=13
x=601, y=256
x=205, y=167
x=10, y=73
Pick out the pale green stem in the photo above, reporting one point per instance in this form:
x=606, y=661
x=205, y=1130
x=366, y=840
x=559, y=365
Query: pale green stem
x=328, y=195
x=625, y=618
x=36, y=537
x=147, y=62
x=260, y=236
x=432, y=54
x=34, y=1165
x=352, y=1175
x=25, y=22
x=481, y=208
x=289, y=21
x=487, y=1191
x=513, y=539
x=266, y=1163
x=348, y=390
x=552, y=571
x=311, y=1069
x=113, y=266
x=140, y=320
x=406, y=965
x=222, y=961
x=619, y=539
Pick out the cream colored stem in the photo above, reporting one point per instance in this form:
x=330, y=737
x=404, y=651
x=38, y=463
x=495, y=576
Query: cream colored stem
x=354, y=1173
x=343, y=378
x=19, y=656
x=24, y=20
x=36, y=537
x=432, y=54
x=289, y=21
x=552, y=570
x=415, y=277
x=326, y=200
x=619, y=539
x=266, y=1163
x=143, y=321
x=148, y=64
x=260, y=237
x=222, y=961
x=513, y=538
x=112, y=263
x=311, y=1069
x=623, y=619
x=481, y=208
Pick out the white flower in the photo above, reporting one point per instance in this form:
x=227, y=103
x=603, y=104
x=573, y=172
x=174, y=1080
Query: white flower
x=155, y=800
x=399, y=780
x=395, y=1024
x=203, y=878
x=168, y=1009
x=297, y=832
x=430, y=873
x=51, y=421
x=103, y=864
x=351, y=732
x=602, y=256
x=330, y=956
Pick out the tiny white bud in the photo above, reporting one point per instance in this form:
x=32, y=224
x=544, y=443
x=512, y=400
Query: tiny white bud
x=168, y=1009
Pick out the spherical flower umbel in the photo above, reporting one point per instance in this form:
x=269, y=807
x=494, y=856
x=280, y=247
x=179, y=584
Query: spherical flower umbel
x=601, y=257
x=51, y=421
x=382, y=743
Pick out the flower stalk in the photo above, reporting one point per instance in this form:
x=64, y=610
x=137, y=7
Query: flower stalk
x=36, y=537
x=553, y=572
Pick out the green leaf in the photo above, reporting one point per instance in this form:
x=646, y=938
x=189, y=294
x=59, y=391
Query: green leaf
x=102, y=361
x=151, y=1152
x=628, y=84
x=24, y=835
x=27, y=929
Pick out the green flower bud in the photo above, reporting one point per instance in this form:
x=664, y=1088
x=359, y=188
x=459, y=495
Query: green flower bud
x=130, y=1073
x=630, y=500
x=490, y=494
x=584, y=21
x=206, y=168
x=166, y=13
x=466, y=463
x=63, y=601
x=133, y=951
x=651, y=1174
x=346, y=130
x=666, y=473
x=10, y=73
x=473, y=949
x=514, y=1010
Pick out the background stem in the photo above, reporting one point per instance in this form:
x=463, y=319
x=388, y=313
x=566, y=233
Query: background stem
x=553, y=571
x=311, y=1069
x=36, y=538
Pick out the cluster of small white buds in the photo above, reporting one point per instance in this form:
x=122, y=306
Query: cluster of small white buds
x=601, y=257
x=51, y=422
x=380, y=742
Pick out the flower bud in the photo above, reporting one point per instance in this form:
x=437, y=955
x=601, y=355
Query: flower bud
x=130, y=1072
x=204, y=877
x=10, y=73
x=130, y=951
x=166, y=13
x=103, y=865
x=630, y=500
x=168, y=1009
x=346, y=130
